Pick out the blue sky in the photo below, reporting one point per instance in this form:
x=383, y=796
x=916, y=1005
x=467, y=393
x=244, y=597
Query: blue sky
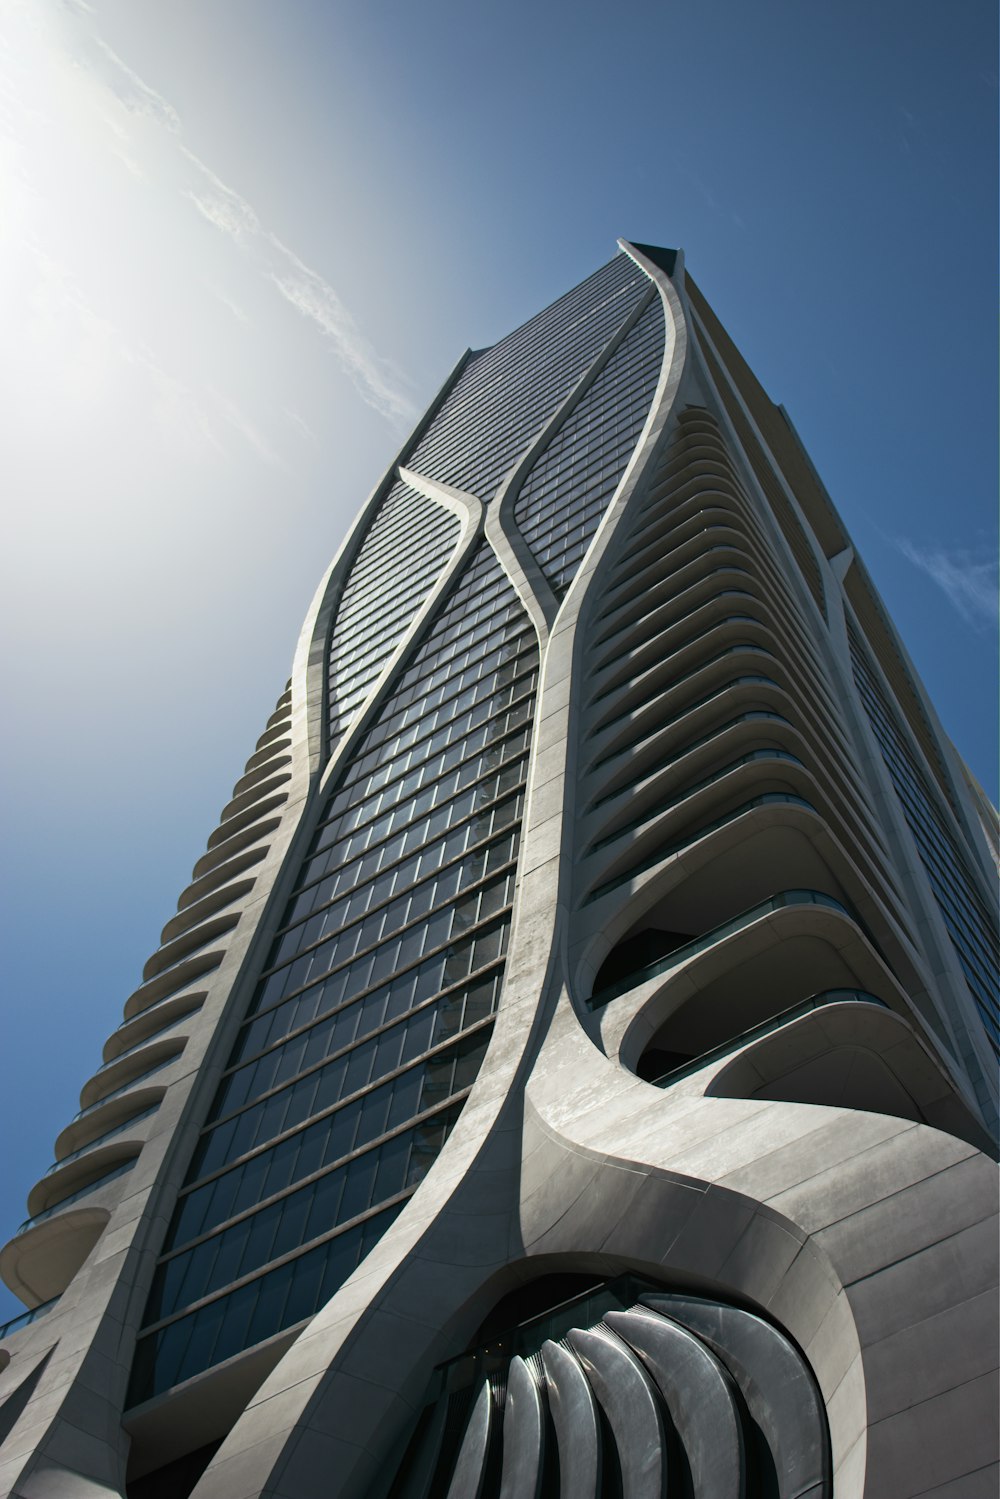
x=241, y=245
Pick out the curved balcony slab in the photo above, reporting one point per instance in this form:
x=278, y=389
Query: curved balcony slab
x=274, y=733
x=171, y=953
x=135, y=1123
x=240, y=805
x=666, y=829
x=262, y=756
x=241, y=822
x=256, y=777
x=857, y=1056
x=244, y=838
x=171, y=982
x=150, y=1022
x=750, y=974
x=135, y=1065
x=105, y=1117
x=220, y=876
x=217, y=900
x=73, y=1176
x=39, y=1264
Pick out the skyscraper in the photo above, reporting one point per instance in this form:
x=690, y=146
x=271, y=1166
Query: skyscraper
x=571, y=1069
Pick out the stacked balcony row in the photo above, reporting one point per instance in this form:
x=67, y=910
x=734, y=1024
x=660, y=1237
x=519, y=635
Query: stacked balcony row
x=720, y=811
x=72, y=1202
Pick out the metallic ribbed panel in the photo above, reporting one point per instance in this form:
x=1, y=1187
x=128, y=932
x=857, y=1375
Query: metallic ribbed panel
x=672, y=1394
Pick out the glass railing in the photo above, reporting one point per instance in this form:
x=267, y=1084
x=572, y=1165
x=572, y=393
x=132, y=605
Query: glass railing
x=689, y=791
x=699, y=583
x=814, y=1002
x=168, y=999
x=756, y=679
x=717, y=624
x=140, y=1077
x=701, y=944
x=208, y=947
x=109, y=1134
x=740, y=647
x=26, y=1318
x=131, y=1050
x=766, y=799
x=730, y=723
x=64, y=1202
x=620, y=604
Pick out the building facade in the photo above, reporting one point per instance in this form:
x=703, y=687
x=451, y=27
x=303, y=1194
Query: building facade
x=572, y=1068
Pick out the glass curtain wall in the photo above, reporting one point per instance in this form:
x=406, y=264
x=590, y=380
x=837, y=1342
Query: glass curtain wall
x=374, y=1011
x=970, y=926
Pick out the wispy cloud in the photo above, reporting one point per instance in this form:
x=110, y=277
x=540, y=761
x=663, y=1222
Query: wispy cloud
x=241, y=423
x=234, y=307
x=316, y=299
x=135, y=94
x=300, y=424
x=968, y=580
x=375, y=379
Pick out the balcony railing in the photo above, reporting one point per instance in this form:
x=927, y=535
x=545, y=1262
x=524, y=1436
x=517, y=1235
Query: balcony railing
x=701, y=944
x=766, y=799
x=784, y=1017
x=64, y=1202
x=26, y=1318
x=109, y=1134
